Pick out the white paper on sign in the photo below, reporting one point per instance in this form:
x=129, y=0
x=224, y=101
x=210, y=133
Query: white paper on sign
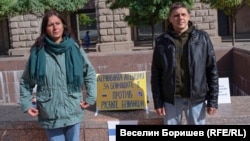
x=224, y=91
x=112, y=127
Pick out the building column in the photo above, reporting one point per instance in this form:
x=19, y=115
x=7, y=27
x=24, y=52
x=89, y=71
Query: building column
x=114, y=32
x=206, y=18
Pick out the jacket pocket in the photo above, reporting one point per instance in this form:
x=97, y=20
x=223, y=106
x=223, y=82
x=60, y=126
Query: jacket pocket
x=74, y=95
x=73, y=103
x=45, y=104
x=44, y=95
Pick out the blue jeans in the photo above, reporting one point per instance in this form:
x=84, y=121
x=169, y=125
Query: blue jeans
x=68, y=133
x=195, y=114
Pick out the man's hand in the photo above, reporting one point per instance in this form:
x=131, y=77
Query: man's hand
x=211, y=110
x=160, y=111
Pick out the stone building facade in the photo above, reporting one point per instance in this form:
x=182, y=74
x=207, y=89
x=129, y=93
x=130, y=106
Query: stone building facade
x=114, y=33
x=23, y=29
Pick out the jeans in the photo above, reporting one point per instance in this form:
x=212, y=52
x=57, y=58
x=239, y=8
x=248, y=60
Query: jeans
x=68, y=133
x=195, y=114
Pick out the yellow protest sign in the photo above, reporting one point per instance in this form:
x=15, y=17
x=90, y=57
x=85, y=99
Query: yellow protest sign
x=121, y=91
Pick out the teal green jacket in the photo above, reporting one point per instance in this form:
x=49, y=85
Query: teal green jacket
x=58, y=108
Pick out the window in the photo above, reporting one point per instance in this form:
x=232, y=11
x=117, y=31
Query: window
x=87, y=22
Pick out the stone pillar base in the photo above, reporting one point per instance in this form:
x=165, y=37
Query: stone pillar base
x=115, y=46
x=19, y=52
x=216, y=39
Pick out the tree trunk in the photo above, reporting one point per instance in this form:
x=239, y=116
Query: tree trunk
x=153, y=35
x=233, y=29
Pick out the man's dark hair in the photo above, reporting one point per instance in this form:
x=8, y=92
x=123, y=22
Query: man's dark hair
x=178, y=5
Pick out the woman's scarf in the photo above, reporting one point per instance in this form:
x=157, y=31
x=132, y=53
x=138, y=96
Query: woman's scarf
x=73, y=62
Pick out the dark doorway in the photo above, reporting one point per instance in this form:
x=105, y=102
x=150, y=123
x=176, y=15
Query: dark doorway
x=4, y=37
x=223, y=24
x=85, y=20
x=144, y=33
x=90, y=26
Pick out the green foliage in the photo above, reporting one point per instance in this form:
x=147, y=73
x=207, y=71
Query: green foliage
x=40, y=6
x=85, y=20
x=229, y=7
x=146, y=12
x=6, y=7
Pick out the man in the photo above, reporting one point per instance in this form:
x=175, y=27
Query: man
x=184, y=74
x=87, y=40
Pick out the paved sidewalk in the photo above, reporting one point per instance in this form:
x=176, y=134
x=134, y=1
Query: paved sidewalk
x=18, y=126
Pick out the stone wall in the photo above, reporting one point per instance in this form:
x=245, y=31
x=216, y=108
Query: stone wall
x=205, y=19
x=232, y=63
x=114, y=33
x=240, y=71
x=24, y=29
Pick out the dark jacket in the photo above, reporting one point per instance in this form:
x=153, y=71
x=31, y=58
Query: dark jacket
x=202, y=70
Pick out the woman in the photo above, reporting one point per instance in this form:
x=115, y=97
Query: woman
x=59, y=68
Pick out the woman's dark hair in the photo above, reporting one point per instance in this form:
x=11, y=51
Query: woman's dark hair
x=40, y=40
